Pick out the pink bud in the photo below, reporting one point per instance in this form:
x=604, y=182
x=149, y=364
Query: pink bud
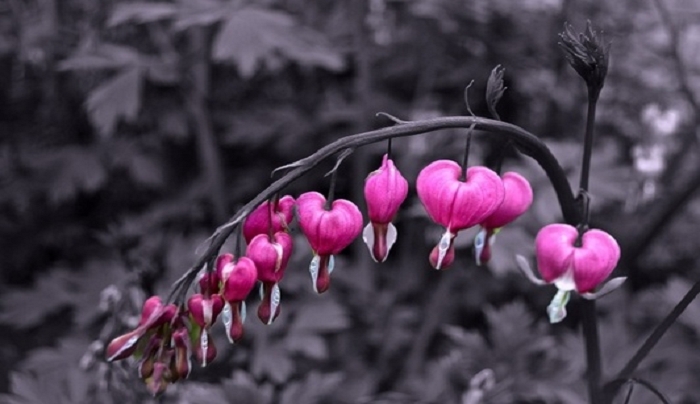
x=517, y=199
x=124, y=346
x=180, y=365
x=204, y=310
x=385, y=191
x=270, y=256
x=570, y=267
x=456, y=204
x=221, y=262
x=239, y=279
x=258, y=222
x=209, y=282
x=160, y=379
x=328, y=231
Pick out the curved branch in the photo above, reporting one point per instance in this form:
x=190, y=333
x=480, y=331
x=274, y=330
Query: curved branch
x=525, y=141
x=648, y=385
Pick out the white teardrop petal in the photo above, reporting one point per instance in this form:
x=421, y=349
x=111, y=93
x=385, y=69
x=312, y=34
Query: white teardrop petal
x=313, y=270
x=391, y=235
x=275, y=298
x=524, y=267
x=368, y=238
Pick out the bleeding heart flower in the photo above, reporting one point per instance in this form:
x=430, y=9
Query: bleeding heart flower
x=181, y=365
x=239, y=278
x=517, y=199
x=258, y=222
x=328, y=232
x=385, y=191
x=153, y=315
x=270, y=257
x=457, y=204
x=573, y=267
x=204, y=310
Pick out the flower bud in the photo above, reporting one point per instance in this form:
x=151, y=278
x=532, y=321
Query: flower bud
x=258, y=222
x=203, y=310
x=385, y=190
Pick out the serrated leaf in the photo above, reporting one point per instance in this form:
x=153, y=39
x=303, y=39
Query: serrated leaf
x=119, y=97
x=24, y=308
x=201, y=13
x=320, y=317
x=140, y=13
x=71, y=170
x=271, y=360
x=196, y=392
x=314, y=389
x=310, y=345
x=253, y=37
x=509, y=324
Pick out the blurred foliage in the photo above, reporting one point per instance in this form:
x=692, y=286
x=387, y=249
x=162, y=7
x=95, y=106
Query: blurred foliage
x=106, y=108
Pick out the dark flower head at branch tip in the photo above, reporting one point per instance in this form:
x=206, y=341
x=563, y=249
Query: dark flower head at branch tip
x=587, y=53
x=495, y=89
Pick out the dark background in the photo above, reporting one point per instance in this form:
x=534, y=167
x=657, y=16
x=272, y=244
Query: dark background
x=130, y=131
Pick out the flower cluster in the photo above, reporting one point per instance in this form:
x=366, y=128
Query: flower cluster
x=168, y=335
x=481, y=198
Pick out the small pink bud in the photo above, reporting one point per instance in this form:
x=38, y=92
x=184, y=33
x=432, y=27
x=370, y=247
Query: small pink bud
x=203, y=310
x=328, y=232
x=270, y=256
x=258, y=222
x=209, y=283
x=571, y=267
x=181, y=365
x=124, y=346
x=239, y=279
x=148, y=359
x=385, y=190
x=159, y=379
x=457, y=204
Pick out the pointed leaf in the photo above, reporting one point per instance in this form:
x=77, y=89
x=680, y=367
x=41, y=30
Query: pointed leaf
x=119, y=97
x=140, y=13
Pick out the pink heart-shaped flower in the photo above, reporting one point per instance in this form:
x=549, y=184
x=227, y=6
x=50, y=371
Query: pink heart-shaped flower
x=457, y=204
x=560, y=261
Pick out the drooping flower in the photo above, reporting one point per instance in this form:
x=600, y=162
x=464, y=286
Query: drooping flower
x=258, y=222
x=153, y=315
x=385, y=190
x=238, y=278
x=457, y=204
x=270, y=256
x=571, y=264
x=328, y=232
x=517, y=199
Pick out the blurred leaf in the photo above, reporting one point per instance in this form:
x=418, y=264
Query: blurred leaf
x=196, y=393
x=271, y=360
x=315, y=389
x=252, y=37
x=58, y=289
x=146, y=169
x=242, y=388
x=320, y=317
x=119, y=97
x=140, y=13
x=101, y=56
x=24, y=308
x=69, y=171
x=508, y=324
x=309, y=345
